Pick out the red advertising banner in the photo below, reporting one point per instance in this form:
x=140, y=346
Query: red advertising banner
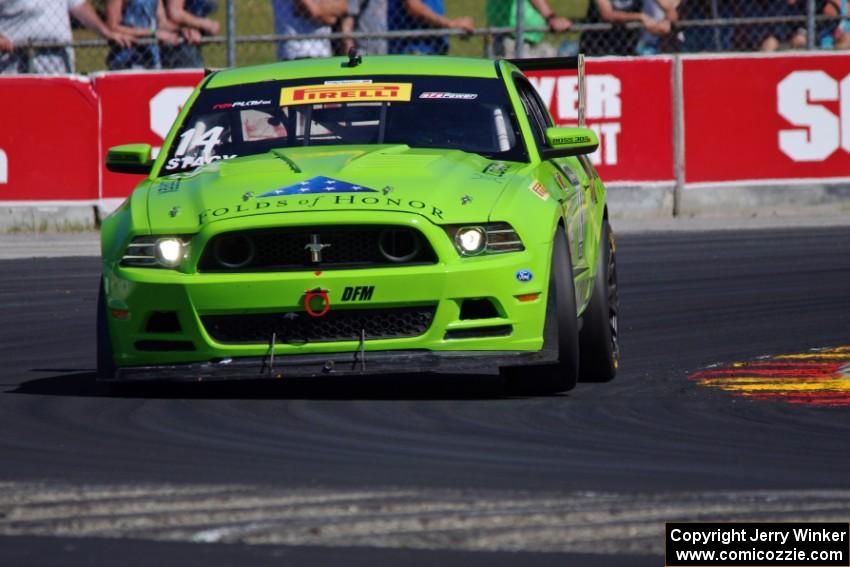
x=630, y=105
x=747, y=118
x=766, y=117
x=48, y=139
x=138, y=107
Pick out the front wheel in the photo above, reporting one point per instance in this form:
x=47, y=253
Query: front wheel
x=599, y=339
x=560, y=330
x=105, y=362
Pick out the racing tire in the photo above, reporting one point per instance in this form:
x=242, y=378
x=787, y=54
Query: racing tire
x=560, y=331
x=599, y=340
x=105, y=362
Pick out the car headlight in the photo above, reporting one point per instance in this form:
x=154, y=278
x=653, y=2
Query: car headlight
x=489, y=238
x=169, y=252
x=156, y=252
x=470, y=240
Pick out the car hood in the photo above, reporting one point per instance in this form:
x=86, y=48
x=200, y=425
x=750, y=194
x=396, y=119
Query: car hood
x=445, y=186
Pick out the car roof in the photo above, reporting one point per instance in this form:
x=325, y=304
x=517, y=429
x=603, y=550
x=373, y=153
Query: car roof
x=370, y=65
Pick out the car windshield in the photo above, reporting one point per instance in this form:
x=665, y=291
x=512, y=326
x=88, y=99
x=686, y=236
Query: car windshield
x=469, y=114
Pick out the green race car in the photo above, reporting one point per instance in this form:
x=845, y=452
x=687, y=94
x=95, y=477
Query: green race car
x=360, y=216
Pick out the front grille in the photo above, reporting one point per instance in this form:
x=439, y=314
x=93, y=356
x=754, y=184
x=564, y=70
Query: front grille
x=338, y=247
x=299, y=327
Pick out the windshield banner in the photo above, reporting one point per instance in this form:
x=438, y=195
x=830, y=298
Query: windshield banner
x=344, y=92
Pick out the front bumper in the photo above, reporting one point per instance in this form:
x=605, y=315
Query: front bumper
x=194, y=297
x=336, y=364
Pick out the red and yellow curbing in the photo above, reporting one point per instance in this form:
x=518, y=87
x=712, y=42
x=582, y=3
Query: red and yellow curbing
x=819, y=377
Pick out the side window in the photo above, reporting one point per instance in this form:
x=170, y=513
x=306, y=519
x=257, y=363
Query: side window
x=537, y=121
x=541, y=109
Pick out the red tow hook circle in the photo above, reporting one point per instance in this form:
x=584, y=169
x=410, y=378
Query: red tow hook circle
x=321, y=294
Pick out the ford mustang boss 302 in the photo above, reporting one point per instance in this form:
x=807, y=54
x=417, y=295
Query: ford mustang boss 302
x=361, y=216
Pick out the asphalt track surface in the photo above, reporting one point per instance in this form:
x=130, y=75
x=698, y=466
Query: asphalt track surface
x=430, y=470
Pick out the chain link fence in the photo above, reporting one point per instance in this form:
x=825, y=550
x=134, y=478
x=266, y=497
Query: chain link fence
x=62, y=36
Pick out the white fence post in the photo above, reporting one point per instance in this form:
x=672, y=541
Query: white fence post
x=520, y=29
x=810, y=25
x=231, y=33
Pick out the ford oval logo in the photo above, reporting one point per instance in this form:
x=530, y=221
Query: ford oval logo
x=524, y=276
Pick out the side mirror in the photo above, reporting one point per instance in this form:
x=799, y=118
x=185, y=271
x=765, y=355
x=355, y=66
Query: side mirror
x=565, y=142
x=130, y=158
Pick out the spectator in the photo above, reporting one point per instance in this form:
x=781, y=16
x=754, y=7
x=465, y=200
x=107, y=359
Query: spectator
x=47, y=21
x=306, y=17
x=828, y=33
x=622, y=40
x=536, y=14
x=192, y=17
x=367, y=16
x=651, y=44
x=707, y=38
x=841, y=37
x=766, y=37
x=769, y=37
x=140, y=19
x=423, y=15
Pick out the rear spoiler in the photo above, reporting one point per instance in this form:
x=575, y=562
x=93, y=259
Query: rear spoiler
x=559, y=64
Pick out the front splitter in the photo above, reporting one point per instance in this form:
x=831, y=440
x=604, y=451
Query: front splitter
x=336, y=364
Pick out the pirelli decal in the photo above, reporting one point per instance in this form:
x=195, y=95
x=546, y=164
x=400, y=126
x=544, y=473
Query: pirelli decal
x=353, y=92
